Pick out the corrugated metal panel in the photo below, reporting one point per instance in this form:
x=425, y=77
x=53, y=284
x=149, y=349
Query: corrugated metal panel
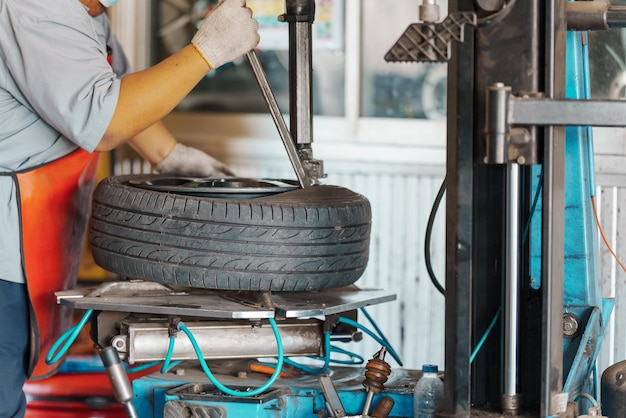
x=610, y=200
x=414, y=323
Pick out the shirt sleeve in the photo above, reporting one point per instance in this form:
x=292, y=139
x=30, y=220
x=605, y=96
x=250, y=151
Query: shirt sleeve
x=120, y=63
x=59, y=62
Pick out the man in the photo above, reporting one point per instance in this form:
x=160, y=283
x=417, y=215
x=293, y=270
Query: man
x=66, y=94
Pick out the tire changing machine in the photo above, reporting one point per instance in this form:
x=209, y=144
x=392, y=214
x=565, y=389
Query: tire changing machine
x=133, y=320
x=521, y=240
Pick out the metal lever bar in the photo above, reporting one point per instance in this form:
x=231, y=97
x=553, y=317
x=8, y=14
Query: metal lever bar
x=332, y=398
x=283, y=130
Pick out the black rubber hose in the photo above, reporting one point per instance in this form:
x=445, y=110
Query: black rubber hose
x=427, y=238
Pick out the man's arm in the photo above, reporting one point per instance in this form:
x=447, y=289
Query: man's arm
x=153, y=144
x=147, y=96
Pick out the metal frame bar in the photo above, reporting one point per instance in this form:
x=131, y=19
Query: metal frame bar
x=553, y=225
x=459, y=235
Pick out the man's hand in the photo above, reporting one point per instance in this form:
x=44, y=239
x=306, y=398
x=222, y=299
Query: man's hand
x=228, y=32
x=188, y=161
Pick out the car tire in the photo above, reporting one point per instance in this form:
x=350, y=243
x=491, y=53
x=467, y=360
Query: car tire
x=302, y=239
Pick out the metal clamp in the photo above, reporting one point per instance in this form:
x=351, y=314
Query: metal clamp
x=508, y=118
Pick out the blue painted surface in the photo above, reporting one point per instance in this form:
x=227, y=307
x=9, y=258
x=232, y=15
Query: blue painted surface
x=299, y=398
x=581, y=244
x=582, y=295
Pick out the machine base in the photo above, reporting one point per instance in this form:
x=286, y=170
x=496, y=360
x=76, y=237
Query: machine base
x=185, y=391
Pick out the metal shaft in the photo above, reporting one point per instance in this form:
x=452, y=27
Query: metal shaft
x=119, y=380
x=368, y=403
x=283, y=130
x=511, y=288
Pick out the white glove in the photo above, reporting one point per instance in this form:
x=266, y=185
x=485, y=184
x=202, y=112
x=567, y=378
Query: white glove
x=228, y=32
x=188, y=161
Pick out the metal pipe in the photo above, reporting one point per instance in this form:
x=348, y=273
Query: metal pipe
x=587, y=15
x=511, y=289
x=119, y=380
x=429, y=11
x=594, y=15
x=497, y=124
x=301, y=103
x=616, y=16
x=148, y=341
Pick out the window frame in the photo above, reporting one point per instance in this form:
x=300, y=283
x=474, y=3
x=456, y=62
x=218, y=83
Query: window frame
x=348, y=138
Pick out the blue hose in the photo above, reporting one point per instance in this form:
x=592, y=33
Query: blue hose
x=378, y=339
x=68, y=337
x=311, y=370
x=227, y=390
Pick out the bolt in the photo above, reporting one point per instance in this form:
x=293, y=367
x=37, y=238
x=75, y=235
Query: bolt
x=521, y=159
x=570, y=325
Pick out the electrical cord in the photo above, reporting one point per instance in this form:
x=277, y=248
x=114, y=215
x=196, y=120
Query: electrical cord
x=604, y=238
x=428, y=236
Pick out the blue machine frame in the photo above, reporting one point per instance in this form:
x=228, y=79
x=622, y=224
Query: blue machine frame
x=582, y=297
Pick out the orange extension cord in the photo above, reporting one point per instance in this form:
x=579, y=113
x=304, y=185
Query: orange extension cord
x=606, y=241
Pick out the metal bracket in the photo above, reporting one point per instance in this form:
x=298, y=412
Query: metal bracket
x=506, y=141
x=428, y=42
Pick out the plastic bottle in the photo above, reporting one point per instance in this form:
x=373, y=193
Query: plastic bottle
x=428, y=393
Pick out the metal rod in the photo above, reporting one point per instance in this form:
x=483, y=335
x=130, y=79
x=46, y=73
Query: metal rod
x=368, y=402
x=300, y=14
x=301, y=105
x=555, y=112
x=511, y=289
x=553, y=205
x=119, y=380
x=616, y=16
x=277, y=116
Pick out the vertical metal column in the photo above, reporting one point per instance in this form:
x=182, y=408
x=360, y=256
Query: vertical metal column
x=459, y=227
x=300, y=15
x=552, y=400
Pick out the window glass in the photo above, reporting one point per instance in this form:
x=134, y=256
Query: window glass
x=607, y=64
x=232, y=87
x=397, y=90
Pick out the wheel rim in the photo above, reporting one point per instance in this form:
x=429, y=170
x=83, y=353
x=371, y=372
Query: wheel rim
x=231, y=188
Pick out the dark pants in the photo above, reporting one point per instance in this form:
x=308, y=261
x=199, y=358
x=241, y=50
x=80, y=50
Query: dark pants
x=14, y=334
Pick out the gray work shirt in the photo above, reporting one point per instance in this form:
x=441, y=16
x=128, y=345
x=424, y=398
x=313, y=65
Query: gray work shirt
x=58, y=92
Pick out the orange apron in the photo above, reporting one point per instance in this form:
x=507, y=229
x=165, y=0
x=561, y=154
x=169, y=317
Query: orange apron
x=54, y=204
